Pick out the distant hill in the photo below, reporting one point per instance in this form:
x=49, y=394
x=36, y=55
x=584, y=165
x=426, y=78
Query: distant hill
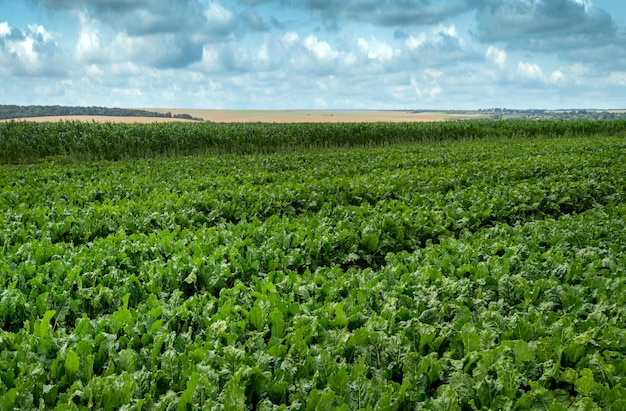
x=13, y=111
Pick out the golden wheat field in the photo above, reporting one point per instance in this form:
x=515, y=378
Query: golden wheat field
x=270, y=116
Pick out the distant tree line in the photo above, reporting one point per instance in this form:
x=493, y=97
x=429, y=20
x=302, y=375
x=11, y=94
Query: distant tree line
x=584, y=115
x=186, y=117
x=536, y=114
x=14, y=111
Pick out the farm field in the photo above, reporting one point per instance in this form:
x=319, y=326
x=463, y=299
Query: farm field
x=271, y=116
x=67, y=141
x=405, y=273
x=319, y=116
x=132, y=116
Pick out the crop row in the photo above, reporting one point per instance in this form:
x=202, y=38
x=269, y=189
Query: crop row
x=448, y=276
x=23, y=142
x=443, y=191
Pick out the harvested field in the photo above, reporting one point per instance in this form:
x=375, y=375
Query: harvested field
x=315, y=116
x=272, y=116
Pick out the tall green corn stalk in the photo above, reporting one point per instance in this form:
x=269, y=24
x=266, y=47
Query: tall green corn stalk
x=23, y=142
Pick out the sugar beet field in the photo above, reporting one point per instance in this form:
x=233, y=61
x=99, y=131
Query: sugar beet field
x=443, y=266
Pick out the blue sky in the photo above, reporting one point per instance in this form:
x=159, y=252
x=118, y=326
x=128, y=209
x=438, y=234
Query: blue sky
x=314, y=54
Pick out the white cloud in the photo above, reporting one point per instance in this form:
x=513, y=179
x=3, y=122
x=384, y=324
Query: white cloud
x=224, y=57
x=89, y=46
x=350, y=59
x=375, y=49
x=5, y=30
x=219, y=17
x=210, y=59
x=448, y=31
x=308, y=55
x=497, y=56
x=26, y=52
x=40, y=31
x=320, y=49
x=530, y=71
x=30, y=53
x=571, y=75
x=425, y=90
x=290, y=38
x=587, y=4
x=94, y=71
x=443, y=46
x=263, y=54
x=157, y=50
x=415, y=42
x=218, y=14
x=557, y=76
x=432, y=74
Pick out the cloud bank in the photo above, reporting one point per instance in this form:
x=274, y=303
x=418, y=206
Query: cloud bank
x=313, y=53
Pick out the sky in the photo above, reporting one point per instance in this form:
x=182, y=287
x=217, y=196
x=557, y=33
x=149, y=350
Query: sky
x=314, y=54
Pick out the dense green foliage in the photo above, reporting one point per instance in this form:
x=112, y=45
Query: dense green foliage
x=22, y=142
x=459, y=276
x=572, y=114
x=13, y=111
